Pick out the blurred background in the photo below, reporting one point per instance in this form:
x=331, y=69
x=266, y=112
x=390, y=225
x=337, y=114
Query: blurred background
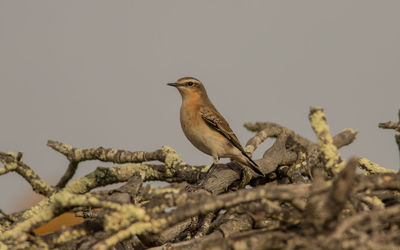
x=94, y=73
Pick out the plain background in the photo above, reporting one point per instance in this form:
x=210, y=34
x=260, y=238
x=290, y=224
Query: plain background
x=93, y=73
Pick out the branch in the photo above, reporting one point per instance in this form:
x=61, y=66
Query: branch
x=278, y=154
x=207, y=207
x=295, y=151
x=386, y=181
x=345, y=137
x=268, y=129
x=391, y=125
x=12, y=162
x=325, y=141
x=63, y=200
x=281, y=192
x=373, y=168
x=325, y=209
x=111, y=155
x=362, y=217
x=76, y=155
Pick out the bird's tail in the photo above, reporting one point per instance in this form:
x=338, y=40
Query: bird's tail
x=246, y=160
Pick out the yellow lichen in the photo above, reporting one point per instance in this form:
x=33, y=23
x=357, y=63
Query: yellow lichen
x=12, y=154
x=325, y=140
x=373, y=167
x=375, y=201
x=124, y=217
x=3, y=247
x=206, y=168
x=172, y=159
x=166, y=190
x=70, y=235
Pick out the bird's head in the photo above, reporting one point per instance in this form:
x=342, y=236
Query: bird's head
x=189, y=87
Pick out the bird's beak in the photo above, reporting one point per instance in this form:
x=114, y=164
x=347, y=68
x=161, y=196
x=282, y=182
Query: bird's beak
x=173, y=84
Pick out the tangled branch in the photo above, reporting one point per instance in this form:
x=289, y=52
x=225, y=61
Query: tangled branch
x=309, y=199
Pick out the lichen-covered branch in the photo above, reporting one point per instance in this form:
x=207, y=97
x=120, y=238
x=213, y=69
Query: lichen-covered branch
x=268, y=129
x=109, y=154
x=281, y=192
x=63, y=200
x=306, y=201
x=76, y=155
x=373, y=168
x=325, y=140
x=13, y=163
x=295, y=154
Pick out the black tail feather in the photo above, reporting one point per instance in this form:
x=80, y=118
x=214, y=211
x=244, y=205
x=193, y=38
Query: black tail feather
x=254, y=166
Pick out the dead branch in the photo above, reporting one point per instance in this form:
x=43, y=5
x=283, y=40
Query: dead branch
x=310, y=199
x=13, y=162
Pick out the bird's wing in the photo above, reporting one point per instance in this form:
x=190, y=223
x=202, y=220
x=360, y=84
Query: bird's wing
x=217, y=122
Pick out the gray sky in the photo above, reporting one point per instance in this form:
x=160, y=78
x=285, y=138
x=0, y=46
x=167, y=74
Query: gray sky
x=93, y=73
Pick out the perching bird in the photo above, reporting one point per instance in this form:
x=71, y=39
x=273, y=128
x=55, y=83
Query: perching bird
x=205, y=127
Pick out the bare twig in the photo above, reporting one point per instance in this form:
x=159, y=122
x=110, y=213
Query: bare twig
x=390, y=125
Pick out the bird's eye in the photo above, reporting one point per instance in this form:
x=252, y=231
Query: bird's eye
x=190, y=84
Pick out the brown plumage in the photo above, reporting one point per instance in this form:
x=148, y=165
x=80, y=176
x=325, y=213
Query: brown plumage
x=205, y=127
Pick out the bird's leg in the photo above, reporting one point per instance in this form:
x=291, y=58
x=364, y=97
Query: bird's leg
x=215, y=163
x=215, y=159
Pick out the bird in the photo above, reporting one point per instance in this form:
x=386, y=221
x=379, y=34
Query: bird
x=205, y=127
